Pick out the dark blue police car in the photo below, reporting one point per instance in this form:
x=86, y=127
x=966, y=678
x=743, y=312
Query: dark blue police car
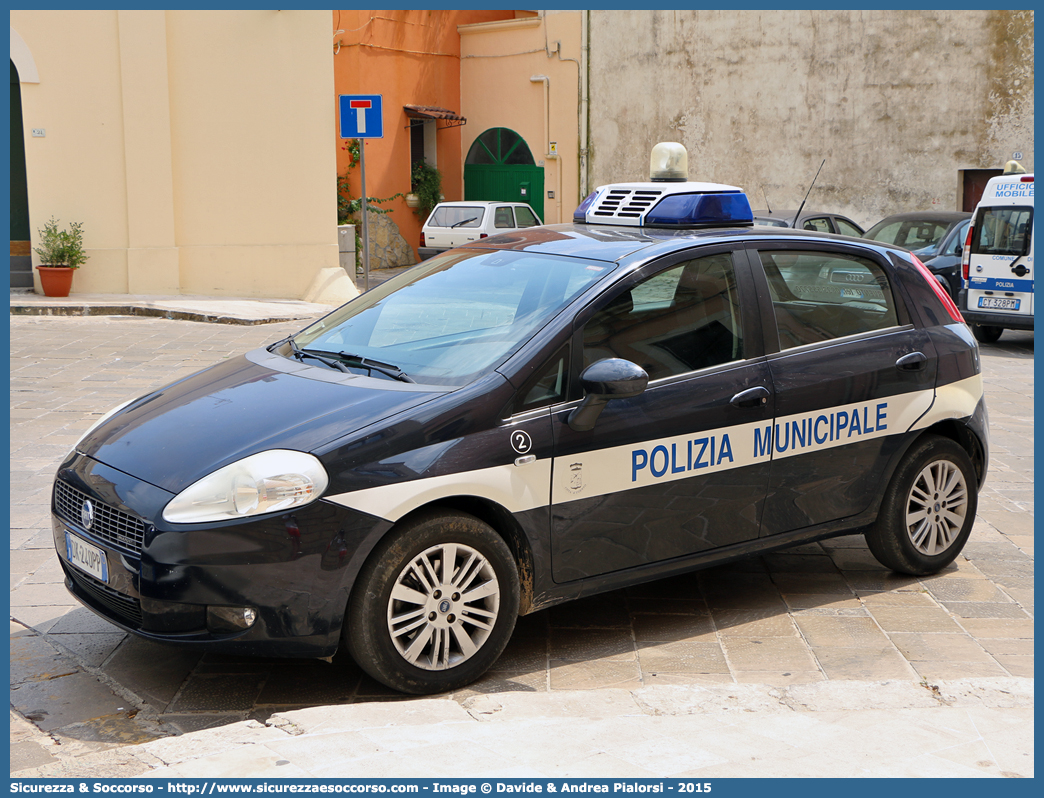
x=547, y=414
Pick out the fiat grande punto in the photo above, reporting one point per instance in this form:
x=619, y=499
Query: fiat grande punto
x=654, y=388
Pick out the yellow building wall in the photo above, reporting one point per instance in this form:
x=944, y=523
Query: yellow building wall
x=497, y=61
x=193, y=145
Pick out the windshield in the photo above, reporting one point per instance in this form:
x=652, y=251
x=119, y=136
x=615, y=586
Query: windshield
x=909, y=233
x=455, y=317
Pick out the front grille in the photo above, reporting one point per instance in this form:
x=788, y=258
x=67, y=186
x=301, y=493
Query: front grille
x=624, y=204
x=113, y=526
x=126, y=608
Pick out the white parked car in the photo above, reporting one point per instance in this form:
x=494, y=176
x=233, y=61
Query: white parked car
x=452, y=224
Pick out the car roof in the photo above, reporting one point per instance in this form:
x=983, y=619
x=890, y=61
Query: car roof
x=616, y=242
x=927, y=216
x=472, y=203
x=785, y=214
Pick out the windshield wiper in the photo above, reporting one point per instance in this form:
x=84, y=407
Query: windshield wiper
x=301, y=354
x=358, y=361
x=466, y=221
x=387, y=369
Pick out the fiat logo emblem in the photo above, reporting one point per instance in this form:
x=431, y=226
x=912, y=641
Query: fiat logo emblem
x=444, y=607
x=87, y=514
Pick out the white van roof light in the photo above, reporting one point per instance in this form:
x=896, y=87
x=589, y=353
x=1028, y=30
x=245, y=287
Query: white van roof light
x=668, y=200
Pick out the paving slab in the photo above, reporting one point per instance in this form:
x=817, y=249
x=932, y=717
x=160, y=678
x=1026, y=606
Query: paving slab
x=821, y=614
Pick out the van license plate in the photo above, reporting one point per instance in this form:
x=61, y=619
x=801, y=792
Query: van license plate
x=999, y=303
x=89, y=559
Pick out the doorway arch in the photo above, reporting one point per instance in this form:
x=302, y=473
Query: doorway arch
x=500, y=166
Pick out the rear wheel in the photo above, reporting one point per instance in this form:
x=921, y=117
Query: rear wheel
x=928, y=509
x=435, y=604
x=986, y=334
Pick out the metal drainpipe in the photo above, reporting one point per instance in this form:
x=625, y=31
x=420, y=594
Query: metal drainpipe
x=585, y=99
x=548, y=155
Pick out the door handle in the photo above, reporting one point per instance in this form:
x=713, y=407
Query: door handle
x=752, y=397
x=912, y=362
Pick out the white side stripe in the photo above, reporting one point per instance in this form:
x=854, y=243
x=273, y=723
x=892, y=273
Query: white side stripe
x=956, y=400
x=620, y=468
x=516, y=488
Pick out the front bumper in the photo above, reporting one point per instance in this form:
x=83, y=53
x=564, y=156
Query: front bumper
x=294, y=569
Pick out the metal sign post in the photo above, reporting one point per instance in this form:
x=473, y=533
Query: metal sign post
x=366, y=227
x=362, y=117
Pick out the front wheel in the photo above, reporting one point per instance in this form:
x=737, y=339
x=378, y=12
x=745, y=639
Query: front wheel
x=928, y=509
x=986, y=334
x=435, y=604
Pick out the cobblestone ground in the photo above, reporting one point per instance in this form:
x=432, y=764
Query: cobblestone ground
x=813, y=613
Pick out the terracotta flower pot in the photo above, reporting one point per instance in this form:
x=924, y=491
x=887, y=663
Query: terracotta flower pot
x=56, y=280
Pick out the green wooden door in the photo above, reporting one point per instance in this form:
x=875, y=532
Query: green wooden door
x=500, y=166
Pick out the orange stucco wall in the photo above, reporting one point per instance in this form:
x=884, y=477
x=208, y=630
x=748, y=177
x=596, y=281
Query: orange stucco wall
x=408, y=57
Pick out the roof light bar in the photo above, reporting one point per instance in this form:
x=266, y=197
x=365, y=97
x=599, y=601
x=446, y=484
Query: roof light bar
x=668, y=201
x=701, y=210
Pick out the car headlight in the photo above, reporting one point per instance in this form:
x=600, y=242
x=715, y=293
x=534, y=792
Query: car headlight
x=266, y=482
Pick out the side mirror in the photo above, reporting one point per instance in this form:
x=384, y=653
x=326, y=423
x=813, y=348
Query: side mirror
x=613, y=378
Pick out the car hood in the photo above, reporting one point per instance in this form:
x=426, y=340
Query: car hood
x=181, y=433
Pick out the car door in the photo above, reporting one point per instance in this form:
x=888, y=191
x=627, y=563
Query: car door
x=667, y=473
x=850, y=374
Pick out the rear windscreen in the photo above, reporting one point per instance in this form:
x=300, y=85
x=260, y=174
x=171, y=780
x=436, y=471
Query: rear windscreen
x=1003, y=231
x=457, y=216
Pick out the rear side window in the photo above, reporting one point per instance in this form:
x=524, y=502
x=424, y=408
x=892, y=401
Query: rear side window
x=910, y=234
x=1002, y=231
x=502, y=217
x=457, y=216
x=818, y=296
x=525, y=217
x=846, y=228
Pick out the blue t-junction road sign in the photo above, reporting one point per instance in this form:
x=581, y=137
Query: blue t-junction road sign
x=361, y=116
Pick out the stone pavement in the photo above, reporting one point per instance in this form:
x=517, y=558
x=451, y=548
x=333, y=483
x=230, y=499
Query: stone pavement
x=936, y=672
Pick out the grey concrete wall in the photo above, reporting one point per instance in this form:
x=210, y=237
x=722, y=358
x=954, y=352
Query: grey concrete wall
x=895, y=101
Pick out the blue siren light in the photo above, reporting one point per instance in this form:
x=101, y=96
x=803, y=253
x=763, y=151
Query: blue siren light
x=701, y=210
x=580, y=214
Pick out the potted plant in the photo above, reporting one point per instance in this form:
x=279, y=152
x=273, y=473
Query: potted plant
x=427, y=185
x=61, y=253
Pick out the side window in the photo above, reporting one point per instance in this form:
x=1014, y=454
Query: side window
x=546, y=386
x=846, y=228
x=503, y=218
x=819, y=224
x=818, y=296
x=525, y=217
x=682, y=319
x=954, y=247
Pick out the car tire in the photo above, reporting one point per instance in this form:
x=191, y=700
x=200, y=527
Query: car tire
x=409, y=624
x=928, y=509
x=986, y=334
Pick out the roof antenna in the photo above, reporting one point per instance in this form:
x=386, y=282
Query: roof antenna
x=798, y=214
x=765, y=195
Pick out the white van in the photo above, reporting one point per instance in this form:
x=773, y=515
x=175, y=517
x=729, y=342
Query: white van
x=997, y=262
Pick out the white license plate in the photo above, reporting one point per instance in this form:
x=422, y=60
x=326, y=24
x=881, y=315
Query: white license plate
x=89, y=559
x=851, y=293
x=998, y=303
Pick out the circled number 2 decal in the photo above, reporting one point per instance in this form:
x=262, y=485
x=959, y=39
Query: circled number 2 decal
x=521, y=442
